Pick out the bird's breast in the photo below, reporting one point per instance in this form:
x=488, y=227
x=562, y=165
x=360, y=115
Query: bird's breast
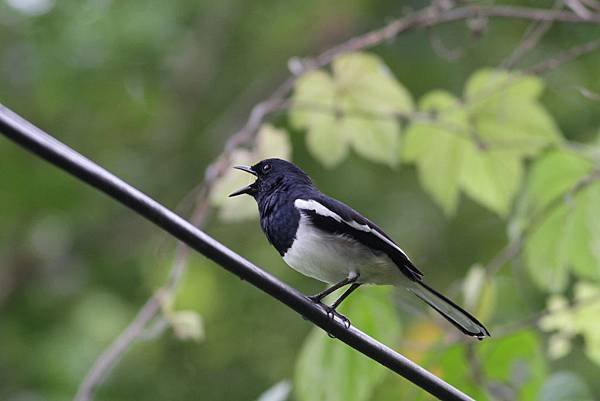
x=332, y=257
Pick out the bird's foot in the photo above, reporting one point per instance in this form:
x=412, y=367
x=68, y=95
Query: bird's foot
x=331, y=312
x=315, y=298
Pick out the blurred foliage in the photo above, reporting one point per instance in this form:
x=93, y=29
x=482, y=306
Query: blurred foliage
x=564, y=386
x=270, y=142
x=152, y=90
x=567, y=324
x=330, y=370
x=480, y=293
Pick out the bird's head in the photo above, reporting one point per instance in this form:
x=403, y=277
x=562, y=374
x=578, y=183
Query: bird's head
x=271, y=174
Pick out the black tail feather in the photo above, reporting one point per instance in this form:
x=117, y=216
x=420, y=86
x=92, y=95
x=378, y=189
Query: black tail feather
x=456, y=315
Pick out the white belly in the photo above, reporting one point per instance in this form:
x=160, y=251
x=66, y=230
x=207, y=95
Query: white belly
x=332, y=258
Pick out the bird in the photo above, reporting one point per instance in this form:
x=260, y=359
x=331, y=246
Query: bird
x=327, y=240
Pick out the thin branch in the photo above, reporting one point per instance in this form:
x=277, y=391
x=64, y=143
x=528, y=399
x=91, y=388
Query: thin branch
x=534, y=33
x=565, y=57
x=432, y=15
x=111, y=355
x=36, y=141
x=588, y=94
x=578, y=8
x=593, y=4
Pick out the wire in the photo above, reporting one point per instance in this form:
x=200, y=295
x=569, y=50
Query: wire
x=42, y=144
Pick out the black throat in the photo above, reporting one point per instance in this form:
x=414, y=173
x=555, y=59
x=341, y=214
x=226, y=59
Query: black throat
x=279, y=218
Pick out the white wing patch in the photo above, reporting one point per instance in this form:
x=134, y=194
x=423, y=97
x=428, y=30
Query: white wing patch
x=318, y=208
x=323, y=211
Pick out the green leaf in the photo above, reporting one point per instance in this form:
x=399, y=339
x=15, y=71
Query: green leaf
x=328, y=143
x=356, y=106
x=479, y=146
x=313, y=101
x=491, y=177
x=564, y=386
x=270, y=142
x=522, y=127
x=511, y=124
x=314, y=109
x=513, y=367
x=564, y=240
x=547, y=251
x=563, y=243
x=552, y=176
x=488, y=87
x=438, y=151
x=369, y=97
x=368, y=83
x=506, y=113
x=376, y=139
x=584, y=249
x=328, y=370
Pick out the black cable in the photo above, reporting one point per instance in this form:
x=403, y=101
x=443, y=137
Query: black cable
x=35, y=140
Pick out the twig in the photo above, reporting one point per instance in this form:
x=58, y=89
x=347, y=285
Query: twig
x=534, y=33
x=578, y=8
x=431, y=16
x=588, y=94
x=593, y=4
x=565, y=57
x=111, y=355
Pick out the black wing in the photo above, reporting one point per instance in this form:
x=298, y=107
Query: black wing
x=333, y=216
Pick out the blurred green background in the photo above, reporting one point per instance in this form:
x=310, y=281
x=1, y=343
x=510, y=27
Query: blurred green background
x=151, y=90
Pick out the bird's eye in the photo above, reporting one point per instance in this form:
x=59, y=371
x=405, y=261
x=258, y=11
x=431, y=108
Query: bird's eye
x=266, y=168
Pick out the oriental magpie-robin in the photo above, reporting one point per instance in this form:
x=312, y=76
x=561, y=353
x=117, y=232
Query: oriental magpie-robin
x=325, y=239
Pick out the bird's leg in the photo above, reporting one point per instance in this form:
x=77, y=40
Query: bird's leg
x=331, y=312
x=349, y=291
x=348, y=280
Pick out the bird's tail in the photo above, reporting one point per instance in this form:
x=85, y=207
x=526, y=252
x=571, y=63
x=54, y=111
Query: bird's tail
x=456, y=315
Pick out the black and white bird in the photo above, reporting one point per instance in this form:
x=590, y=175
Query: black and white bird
x=325, y=239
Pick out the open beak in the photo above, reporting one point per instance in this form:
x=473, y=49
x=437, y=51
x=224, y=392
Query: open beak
x=249, y=189
x=247, y=169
